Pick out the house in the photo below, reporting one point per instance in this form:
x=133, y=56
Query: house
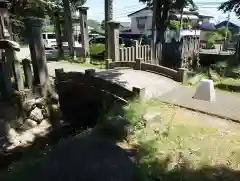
x=141, y=20
x=235, y=29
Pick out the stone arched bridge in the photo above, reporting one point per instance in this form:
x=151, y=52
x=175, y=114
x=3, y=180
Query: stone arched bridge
x=155, y=85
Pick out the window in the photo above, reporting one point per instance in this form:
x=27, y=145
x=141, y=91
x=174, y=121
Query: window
x=44, y=36
x=51, y=36
x=141, y=22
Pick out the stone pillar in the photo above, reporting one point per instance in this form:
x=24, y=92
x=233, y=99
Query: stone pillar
x=37, y=51
x=182, y=75
x=6, y=88
x=58, y=33
x=84, y=31
x=138, y=63
x=16, y=67
x=113, y=40
x=136, y=45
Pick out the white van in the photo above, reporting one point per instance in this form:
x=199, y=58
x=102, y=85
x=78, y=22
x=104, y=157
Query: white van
x=49, y=40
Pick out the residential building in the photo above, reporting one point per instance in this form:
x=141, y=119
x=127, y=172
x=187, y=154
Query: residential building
x=141, y=20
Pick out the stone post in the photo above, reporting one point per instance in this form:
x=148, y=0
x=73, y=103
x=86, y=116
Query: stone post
x=135, y=44
x=17, y=70
x=27, y=72
x=182, y=75
x=107, y=63
x=138, y=63
x=37, y=51
x=58, y=33
x=113, y=40
x=6, y=88
x=84, y=31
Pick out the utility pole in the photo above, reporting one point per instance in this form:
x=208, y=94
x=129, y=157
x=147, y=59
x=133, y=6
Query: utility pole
x=108, y=17
x=226, y=32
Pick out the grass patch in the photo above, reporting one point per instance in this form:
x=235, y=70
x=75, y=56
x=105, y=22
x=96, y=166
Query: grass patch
x=174, y=146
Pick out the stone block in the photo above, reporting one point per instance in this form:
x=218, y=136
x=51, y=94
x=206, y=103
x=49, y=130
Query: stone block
x=205, y=91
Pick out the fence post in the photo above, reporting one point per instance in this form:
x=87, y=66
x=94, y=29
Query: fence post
x=138, y=63
x=136, y=44
x=27, y=73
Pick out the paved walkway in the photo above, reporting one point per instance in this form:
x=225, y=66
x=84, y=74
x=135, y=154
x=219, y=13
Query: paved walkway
x=227, y=105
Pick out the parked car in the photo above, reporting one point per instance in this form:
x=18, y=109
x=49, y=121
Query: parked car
x=49, y=40
x=97, y=45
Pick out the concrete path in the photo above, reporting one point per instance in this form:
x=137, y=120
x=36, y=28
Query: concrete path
x=227, y=105
x=155, y=85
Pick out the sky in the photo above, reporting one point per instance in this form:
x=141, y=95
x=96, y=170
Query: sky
x=121, y=8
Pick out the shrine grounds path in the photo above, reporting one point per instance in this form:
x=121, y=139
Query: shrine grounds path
x=227, y=105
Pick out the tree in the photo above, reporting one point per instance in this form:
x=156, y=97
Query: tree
x=230, y=5
x=161, y=12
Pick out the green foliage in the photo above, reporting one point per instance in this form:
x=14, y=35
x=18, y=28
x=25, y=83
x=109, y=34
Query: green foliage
x=96, y=49
x=230, y=6
x=48, y=29
x=223, y=32
x=216, y=35
x=174, y=25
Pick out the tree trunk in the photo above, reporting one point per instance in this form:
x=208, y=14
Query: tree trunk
x=58, y=33
x=68, y=27
x=108, y=17
x=180, y=26
x=154, y=53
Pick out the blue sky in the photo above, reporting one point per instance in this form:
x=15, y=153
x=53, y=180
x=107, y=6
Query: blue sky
x=124, y=7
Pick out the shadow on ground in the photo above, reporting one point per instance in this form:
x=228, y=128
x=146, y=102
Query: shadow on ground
x=93, y=156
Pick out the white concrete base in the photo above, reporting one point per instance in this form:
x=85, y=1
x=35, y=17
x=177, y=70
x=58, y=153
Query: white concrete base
x=205, y=91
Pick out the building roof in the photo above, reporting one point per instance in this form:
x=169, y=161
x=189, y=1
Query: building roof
x=186, y=11
x=125, y=24
x=224, y=23
x=143, y=9
x=205, y=16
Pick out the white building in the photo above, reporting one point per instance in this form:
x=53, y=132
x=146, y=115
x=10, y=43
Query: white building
x=141, y=20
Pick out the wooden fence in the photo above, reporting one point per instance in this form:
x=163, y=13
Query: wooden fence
x=130, y=54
